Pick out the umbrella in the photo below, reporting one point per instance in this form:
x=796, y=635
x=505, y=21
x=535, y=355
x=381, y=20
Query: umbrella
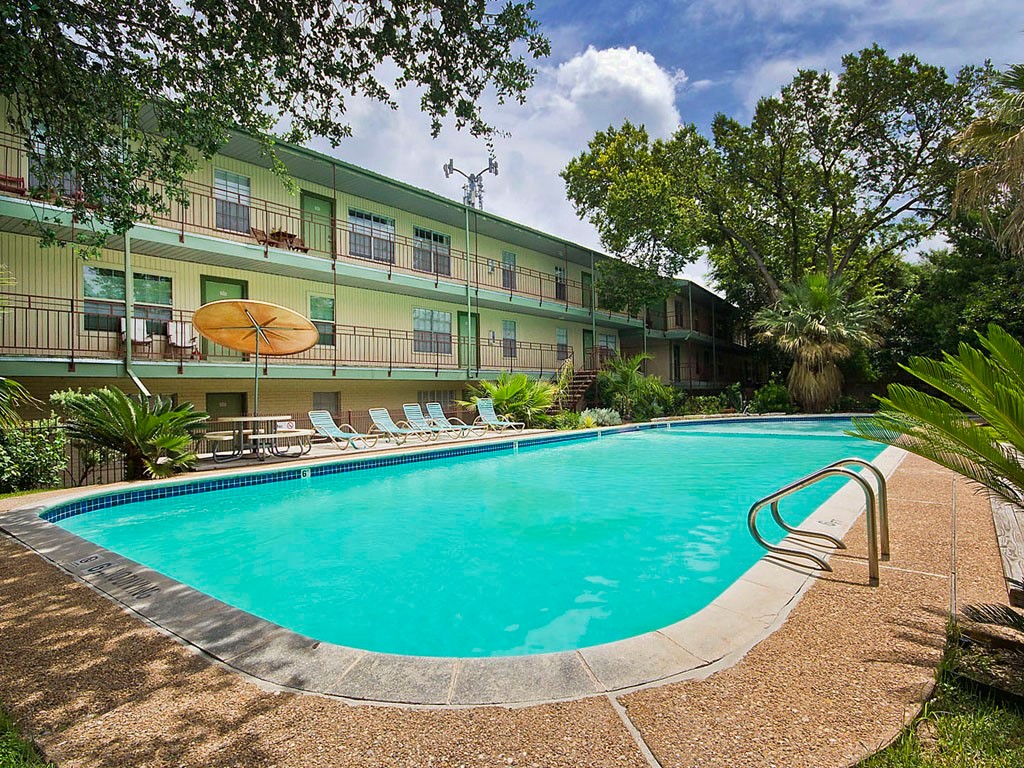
x=254, y=327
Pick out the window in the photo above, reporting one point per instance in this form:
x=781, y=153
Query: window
x=560, y=283
x=431, y=251
x=432, y=331
x=681, y=319
x=508, y=270
x=371, y=236
x=508, y=338
x=321, y=312
x=562, y=340
x=61, y=185
x=326, y=401
x=104, y=299
x=608, y=341
x=446, y=397
x=231, y=191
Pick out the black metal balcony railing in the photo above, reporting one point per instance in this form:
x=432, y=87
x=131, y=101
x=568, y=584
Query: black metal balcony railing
x=247, y=219
x=39, y=326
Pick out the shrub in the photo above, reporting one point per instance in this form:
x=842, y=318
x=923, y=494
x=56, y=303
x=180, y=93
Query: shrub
x=517, y=396
x=635, y=396
x=89, y=455
x=587, y=422
x=704, y=404
x=154, y=435
x=31, y=457
x=772, y=397
x=567, y=420
x=602, y=417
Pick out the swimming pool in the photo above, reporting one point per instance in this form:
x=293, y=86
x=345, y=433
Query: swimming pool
x=528, y=549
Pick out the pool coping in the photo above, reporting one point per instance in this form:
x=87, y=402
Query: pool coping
x=713, y=638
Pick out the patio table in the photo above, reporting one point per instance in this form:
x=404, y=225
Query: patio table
x=261, y=425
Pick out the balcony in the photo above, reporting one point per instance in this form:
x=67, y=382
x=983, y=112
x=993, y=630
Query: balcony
x=283, y=230
x=38, y=328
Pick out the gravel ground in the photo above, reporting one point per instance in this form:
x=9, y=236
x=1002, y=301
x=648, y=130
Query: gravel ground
x=96, y=687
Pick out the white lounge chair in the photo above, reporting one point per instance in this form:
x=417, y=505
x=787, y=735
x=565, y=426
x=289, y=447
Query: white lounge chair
x=491, y=420
x=383, y=423
x=436, y=414
x=182, y=336
x=344, y=436
x=415, y=418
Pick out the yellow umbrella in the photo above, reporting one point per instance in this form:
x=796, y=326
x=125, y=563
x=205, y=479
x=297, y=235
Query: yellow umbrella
x=254, y=327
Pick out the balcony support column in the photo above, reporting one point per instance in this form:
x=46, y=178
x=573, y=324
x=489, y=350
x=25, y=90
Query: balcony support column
x=469, y=306
x=129, y=314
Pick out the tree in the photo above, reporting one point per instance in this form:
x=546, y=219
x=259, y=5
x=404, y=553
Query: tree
x=154, y=435
x=837, y=175
x=12, y=394
x=119, y=95
x=987, y=382
x=818, y=323
x=995, y=184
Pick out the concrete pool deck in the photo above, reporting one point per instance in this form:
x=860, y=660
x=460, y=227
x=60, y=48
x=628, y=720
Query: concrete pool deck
x=837, y=679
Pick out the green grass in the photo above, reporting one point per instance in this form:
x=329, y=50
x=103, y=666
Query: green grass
x=14, y=752
x=958, y=728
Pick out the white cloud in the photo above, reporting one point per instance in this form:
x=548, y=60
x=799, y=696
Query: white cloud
x=568, y=104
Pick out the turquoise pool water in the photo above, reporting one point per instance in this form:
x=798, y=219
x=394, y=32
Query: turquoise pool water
x=541, y=549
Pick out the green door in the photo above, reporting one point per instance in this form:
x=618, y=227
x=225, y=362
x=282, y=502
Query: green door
x=587, y=283
x=222, y=405
x=318, y=223
x=589, y=364
x=219, y=289
x=469, y=340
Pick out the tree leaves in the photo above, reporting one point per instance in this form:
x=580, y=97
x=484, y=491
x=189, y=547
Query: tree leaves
x=120, y=96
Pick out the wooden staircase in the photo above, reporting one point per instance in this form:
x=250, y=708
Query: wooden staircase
x=575, y=393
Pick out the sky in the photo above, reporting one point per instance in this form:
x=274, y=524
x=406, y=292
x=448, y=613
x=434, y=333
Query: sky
x=661, y=64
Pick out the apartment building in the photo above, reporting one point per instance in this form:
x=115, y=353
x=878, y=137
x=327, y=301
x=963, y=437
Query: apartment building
x=414, y=295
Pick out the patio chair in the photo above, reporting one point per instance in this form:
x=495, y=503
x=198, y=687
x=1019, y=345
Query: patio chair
x=383, y=423
x=182, y=336
x=298, y=244
x=491, y=420
x=344, y=436
x=264, y=239
x=436, y=414
x=140, y=335
x=415, y=418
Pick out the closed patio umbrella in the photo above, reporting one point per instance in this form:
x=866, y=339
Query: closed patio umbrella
x=254, y=327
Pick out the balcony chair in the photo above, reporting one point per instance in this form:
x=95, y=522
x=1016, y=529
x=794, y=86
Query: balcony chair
x=141, y=337
x=436, y=413
x=13, y=184
x=415, y=418
x=491, y=420
x=182, y=336
x=344, y=436
x=264, y=239
x=383, y=423
x=298, y=244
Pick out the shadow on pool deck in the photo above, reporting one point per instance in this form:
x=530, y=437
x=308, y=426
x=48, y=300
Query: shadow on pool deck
x=95, y=687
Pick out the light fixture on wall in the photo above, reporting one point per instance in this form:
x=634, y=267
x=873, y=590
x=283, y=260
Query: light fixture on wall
x=491, y=334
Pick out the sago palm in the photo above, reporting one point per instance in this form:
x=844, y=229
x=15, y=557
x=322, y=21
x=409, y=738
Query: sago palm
x=517, y=396
x=987, y=450
x=154, y=436
x=995, y=186
x=817, y=323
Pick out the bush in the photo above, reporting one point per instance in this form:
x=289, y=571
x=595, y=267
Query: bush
x=567, y=420
x=602, y=417
x=849, y=404
x=635, y=396
x=732, y=397
x=517, y=396
x=31, y=457
x=772, y=397
x=703, y=404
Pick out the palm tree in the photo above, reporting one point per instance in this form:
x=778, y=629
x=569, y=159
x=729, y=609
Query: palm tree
x=12, y=394
x=988, y=452
x=153, y=435
x=626, y=388
x=517, y=396
x=995, y=186
x=817, y=323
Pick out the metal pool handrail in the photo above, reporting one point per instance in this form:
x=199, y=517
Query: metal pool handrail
x=883, y=499
x=811, y=479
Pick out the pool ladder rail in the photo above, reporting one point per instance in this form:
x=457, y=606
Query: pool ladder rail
x=877, y=515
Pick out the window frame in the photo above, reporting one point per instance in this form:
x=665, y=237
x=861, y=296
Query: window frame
x=432, y=341
x=327, y=337
x=156, y=315
x=509, y=348
x=224, y=214
x=379, y=231
x=431, y=251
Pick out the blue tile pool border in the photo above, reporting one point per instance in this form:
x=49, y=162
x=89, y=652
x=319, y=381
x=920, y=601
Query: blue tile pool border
x=105, y=500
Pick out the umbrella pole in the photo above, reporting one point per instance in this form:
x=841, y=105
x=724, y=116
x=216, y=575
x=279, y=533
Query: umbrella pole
x=256, y=378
